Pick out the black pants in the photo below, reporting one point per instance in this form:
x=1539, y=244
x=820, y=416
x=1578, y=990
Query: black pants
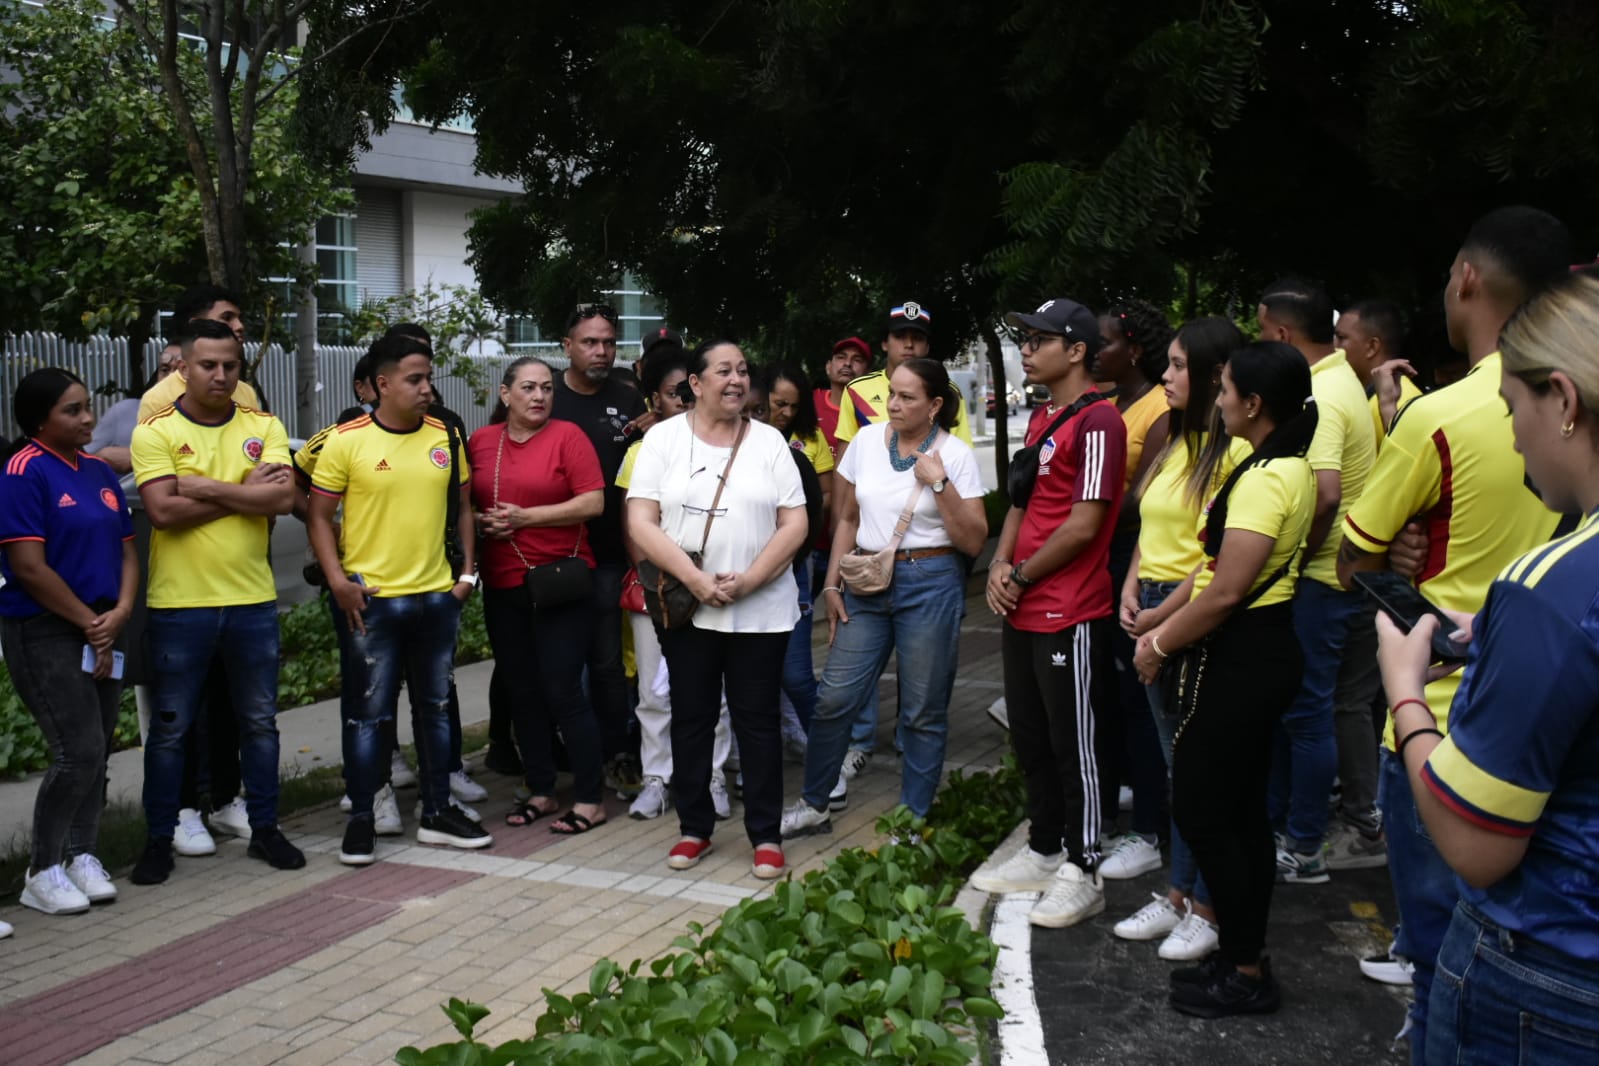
x=545, y=650
x=1221, y=765
x=1058, y=689
x=607, y=678
x=701, y=662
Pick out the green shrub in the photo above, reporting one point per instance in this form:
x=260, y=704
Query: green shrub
x=862, y=960
x=996, y=505
x=22, y=746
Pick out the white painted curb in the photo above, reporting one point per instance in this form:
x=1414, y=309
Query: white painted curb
x=1020, y=1034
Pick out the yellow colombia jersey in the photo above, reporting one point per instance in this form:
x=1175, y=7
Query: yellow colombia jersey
x=1344, y=442
x=305, y=459
x=865, y=403
x=1144, y=413
x=1407, y=392
x=1276, y=498
x=816, y=450
x=224, y=562
x=169, y=388
x=1450, y=461
x=1167, y=547
x=393, y=486
x=624, y=475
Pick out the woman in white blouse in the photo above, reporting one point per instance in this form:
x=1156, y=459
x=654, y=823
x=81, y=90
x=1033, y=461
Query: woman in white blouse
x=910, y=458
x=739, y=633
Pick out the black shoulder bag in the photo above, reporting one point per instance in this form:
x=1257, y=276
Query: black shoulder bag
x=1022, y=473
x=554, y=584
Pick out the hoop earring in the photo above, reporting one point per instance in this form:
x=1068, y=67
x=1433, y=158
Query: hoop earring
x=1568, y=429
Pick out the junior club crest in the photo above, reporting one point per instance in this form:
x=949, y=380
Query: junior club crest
x=253, y=449
x=440, y=457
x=1046, y=452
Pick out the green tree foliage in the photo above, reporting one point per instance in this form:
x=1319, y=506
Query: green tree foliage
x=458, y=319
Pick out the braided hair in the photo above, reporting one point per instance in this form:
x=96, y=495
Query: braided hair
x=1143, y=324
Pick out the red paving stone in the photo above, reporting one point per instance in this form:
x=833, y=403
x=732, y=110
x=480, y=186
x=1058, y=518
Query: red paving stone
x=78, y=1016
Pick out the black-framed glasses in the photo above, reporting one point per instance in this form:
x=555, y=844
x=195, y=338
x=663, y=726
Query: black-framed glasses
x=586, y=311
x=1031, y=342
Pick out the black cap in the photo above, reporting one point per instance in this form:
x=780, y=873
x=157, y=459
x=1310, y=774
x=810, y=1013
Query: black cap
x=1066, y=317
x=663, y=335
x=909, y=315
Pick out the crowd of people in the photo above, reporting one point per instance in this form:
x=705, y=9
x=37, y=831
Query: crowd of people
x=1195, y=517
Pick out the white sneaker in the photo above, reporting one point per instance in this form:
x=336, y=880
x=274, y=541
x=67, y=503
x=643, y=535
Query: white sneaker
x=5, y=930
x=855, y=763
x=1000, y=713
x=52, y=892
x=191, y=836
x=1193, y=939
x=838, y=799
x=801, y=820
x=233, y=819
x=400, y=773
x=1131, y=857
x=386, y=813
x=1074, y=896
x=1124, y=798
x=651, y=801
x=91, y=878
x=470, y=812
x=1025, y=871
x=1387, y=968
x=1154, y=919
x=344, y=803
x=719, y=800
x=465, y=789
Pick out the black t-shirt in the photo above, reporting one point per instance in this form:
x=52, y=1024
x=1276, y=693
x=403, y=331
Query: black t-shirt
x=603, y=418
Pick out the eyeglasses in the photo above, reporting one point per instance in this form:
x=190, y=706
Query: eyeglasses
x=1031, y=342
x=701, y=512
x=587, y=311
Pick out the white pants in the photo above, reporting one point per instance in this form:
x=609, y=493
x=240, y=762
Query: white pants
x=655, y=707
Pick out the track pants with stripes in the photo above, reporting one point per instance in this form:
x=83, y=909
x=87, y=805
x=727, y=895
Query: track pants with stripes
x=1058, y=689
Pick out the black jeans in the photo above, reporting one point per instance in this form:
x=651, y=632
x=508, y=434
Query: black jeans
x=545, y=650
x=607, y=679
x=1059, y=687
x=1221, y=765
x=77, y=716
x=701, y=663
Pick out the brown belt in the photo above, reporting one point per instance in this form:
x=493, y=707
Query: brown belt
x=909, y=555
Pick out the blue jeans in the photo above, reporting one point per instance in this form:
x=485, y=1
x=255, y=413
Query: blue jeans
x=1185, y=876
x=799, y=673
x=406, y=637
x=1306, y=758
x=1500, y=997
x=1425, y=891
x=920, y=616
x=183, y=641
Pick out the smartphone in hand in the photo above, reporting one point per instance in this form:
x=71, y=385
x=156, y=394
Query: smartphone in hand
x=1402, y=602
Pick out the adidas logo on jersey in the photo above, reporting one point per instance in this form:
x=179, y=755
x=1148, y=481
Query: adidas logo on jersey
x=184, y=449
x=1057, y=659
x=66, y=501
x=383, y=464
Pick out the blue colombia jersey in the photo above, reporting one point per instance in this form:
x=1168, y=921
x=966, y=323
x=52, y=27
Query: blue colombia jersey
x=75, y=507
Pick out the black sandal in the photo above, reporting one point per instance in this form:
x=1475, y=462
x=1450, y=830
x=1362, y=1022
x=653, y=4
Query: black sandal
x=572, y=823
x=525, y=814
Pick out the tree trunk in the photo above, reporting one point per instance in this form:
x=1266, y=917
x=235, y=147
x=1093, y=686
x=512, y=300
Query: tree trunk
x=305, y=354
x=996, y=368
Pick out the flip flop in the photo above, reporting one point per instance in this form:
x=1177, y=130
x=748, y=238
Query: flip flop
x=524, y=814
x=572, y=823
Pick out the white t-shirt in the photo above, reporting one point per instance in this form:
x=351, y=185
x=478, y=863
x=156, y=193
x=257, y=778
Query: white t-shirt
x=881, y=491
x=680, y=472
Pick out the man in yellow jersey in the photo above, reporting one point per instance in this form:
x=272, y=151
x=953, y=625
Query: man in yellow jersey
x=1372, y=334
x=907, y=335
x=210, y=473
x=398, y=596
x=1341, y=455
x=1450, y=458
x=214, y=304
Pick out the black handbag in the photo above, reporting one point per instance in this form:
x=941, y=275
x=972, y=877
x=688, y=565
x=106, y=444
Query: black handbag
x=670, y=602
x=1181, y=672
x=1023, y=470
x=554, y=584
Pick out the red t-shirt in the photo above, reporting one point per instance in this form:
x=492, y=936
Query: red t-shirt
x=554, y=465
x=827, y=415
x=1086, y=459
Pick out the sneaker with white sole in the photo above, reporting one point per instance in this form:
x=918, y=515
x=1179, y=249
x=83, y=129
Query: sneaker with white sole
x=651, y=802
x=1132, y=857
x=1074, y=896
x=803, y=820
x=855, y=763
x=999, y=713
x=1301, y=868
x=838, y=799
x=1348, y=848
x=359, y=847
x=470, y=812
x=1153, y=920
x=345, y=803
x=1025, y=871
x=463, y=788
x=719, y=799
x=5, y=930
x=1387, y=968
x=191, y=836
x=400, y=773
x=1194, y=938
x=232, y=819
x=92, y=880
x=386, y=813
x=451, y=828
x=51, y=891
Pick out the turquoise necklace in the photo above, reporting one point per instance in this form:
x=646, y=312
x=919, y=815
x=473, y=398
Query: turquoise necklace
x=902, y=465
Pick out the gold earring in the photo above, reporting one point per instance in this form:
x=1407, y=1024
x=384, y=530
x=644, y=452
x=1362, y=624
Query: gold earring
x=1568, y=429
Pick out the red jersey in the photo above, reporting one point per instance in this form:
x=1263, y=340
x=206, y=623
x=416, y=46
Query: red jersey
x=1086, y=459
x=554, y=465
x=827, y=415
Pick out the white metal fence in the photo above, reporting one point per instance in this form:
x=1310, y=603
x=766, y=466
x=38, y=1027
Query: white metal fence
x=102, y=362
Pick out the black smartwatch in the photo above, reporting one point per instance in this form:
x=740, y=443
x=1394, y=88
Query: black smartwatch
x=1018, y=577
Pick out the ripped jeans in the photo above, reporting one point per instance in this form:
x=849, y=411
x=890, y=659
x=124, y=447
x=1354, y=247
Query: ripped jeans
x=406, y=637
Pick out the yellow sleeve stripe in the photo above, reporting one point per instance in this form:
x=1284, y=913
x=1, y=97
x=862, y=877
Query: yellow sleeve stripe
x=1532, y=567
x=1478, y=788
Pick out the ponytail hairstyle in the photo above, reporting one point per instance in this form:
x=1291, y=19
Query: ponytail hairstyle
x=1279, y=375
x=935, y=383
x=1143, y=324
x=36, y=396
x=1554, y=331
x=501, y=412
x=1197, y=428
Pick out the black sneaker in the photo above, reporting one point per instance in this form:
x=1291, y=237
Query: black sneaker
x=1228, y=993
x=271, y=846
x=155, y=865
x=1210, y=967
x=358, y=842
x=453, y=829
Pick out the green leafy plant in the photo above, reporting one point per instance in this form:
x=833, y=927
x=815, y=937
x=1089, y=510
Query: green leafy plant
x=863, y=960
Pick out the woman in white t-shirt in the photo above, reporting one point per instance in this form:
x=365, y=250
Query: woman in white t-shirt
x=912, y=455
x=739, y=633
